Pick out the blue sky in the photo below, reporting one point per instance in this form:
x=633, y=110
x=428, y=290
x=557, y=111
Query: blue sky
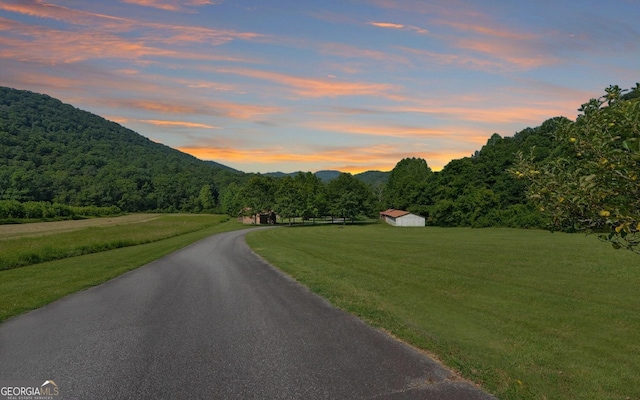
x=285, y=85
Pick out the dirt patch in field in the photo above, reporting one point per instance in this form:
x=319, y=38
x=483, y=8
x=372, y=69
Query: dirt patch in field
x=47, y=228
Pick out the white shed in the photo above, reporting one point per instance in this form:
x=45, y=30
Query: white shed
x=401, y=218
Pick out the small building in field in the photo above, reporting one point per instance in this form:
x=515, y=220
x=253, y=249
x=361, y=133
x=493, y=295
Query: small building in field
x=401, y=218
x=263, y=218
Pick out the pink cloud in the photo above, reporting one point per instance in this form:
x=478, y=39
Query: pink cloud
x=40, y=9
x=50, y=46
x=118, y=25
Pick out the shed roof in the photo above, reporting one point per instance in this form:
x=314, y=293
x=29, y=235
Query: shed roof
x=394, y=213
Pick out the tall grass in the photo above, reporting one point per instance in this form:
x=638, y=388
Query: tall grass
x=25, y=251
x=526, y=314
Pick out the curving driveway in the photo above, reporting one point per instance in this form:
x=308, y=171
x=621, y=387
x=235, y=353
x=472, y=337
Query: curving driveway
x=214, y=321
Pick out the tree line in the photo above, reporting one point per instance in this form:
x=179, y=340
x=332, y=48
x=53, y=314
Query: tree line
x=14, y=211
x=301, y=196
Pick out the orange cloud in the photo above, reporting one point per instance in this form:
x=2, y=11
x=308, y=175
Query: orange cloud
x=182, y=124
x=489, y=30
x=169, y=5
x=307, y=87
x=161, y=95
x=515, y=54
x=387, y=25
x=214, y=108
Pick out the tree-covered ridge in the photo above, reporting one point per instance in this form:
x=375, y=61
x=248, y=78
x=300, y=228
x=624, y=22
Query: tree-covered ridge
x=53, y=152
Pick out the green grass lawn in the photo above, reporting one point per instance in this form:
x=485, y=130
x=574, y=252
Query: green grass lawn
x=29, y=287
x=526, y=314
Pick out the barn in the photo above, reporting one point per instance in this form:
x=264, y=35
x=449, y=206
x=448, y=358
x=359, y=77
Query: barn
x=401, y=218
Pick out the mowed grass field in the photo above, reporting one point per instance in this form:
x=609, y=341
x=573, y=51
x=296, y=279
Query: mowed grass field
x=525, y=314
x=85, y=254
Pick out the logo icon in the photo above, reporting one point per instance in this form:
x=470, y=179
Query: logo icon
x=49, y=388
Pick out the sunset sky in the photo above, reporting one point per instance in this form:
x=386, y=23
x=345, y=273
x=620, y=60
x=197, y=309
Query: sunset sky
x=288, y=85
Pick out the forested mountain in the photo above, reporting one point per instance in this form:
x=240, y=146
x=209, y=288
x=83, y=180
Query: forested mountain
x=54, y=152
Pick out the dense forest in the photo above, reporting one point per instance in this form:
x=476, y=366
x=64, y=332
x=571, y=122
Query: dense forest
x=53, y=153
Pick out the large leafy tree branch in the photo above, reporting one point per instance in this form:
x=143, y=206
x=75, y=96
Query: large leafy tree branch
x=594, y=187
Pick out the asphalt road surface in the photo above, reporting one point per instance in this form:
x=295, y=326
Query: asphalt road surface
x=214, y=321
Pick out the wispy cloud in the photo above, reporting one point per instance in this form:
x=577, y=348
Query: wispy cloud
x=387, y=25
x=489, y=114
x=350, y=51
x=249, y=112
x=51, y=46
x=168, y=5
x=388, y=130
x=462, y=61
x=391, y=25
x=309, y=87
x=522, y=56
x=117, y=26
x=40, y=9
x=489, y=29
x=181, y=124
x=476, y=38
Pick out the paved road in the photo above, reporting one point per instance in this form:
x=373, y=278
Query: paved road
x=213, y=321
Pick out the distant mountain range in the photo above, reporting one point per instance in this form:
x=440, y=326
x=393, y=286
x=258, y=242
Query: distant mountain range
x=368, y=177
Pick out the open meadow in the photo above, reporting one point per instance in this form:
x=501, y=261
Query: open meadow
x=43, y=262
x=526, y=314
